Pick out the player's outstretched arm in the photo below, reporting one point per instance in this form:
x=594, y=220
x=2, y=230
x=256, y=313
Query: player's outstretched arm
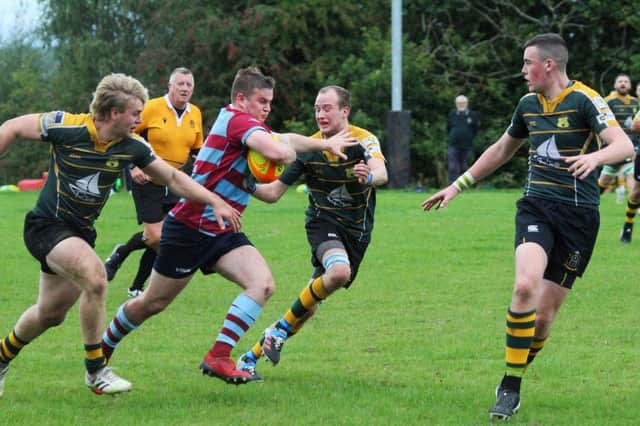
x=278, y=151
x=335, y=144
x=490, y=160
x=22, y=127
x=183, y=186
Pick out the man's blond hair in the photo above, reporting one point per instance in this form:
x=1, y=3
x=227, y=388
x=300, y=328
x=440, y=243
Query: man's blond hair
x=116, y=91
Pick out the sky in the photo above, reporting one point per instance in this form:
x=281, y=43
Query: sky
x=17, y=14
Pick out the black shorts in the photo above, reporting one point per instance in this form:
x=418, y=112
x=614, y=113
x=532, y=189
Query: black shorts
x=153, y=202
x=566, y=233
x=42, y=234
x=320, y=231
x=183, y=250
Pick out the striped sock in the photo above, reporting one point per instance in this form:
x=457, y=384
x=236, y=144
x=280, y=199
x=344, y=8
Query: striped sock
x=631, y=211
x=241, y=315
x=118, y=328
x=520, y=330
x=536, y=346
x=313, y=294
x=10, y=347
x=94, y=358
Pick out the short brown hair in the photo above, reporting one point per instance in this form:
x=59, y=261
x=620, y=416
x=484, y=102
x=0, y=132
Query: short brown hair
x=249, y=79
x=551, y=45
x=344, y=97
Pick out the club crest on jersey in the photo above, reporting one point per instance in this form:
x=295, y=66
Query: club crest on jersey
x=563, y=122
x=112, y=164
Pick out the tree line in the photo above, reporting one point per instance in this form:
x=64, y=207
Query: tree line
x=459, y=46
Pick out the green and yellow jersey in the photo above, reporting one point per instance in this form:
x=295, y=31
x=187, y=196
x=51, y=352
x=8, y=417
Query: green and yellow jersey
x=83, y=168
x=566, y=126
x=624, y=108
x=334, y=192
x=171, y=136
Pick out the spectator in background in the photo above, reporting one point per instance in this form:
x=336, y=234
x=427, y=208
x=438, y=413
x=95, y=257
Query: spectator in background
x=462, y=126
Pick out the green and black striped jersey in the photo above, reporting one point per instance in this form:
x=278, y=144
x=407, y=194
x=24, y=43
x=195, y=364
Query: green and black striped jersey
x=334, y=192
x=566, y=126
x=624, y=108
x=83, y=168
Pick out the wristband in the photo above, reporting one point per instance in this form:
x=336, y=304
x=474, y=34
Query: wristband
x=370, y=178
x=464, y=182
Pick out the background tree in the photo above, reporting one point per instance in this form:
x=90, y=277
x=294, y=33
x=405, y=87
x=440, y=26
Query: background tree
x=460, y=46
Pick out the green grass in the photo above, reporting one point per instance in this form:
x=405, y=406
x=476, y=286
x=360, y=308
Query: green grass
x=417, y=340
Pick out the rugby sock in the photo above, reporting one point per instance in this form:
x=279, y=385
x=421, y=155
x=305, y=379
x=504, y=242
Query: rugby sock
x=94, y=358
x=536, y=346
x=242, y=313
x=313, y=294
x=10, y=347
x=602, y=187
x=136, y=242
x=144, y=269
x=118, y=328
x=632, y=209
x=520, y=330
x=256, y=350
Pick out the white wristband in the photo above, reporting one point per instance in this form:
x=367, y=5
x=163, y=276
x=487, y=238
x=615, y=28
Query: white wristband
x=464, y=182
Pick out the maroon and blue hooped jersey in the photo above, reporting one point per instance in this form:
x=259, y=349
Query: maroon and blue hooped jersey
x=221, y=167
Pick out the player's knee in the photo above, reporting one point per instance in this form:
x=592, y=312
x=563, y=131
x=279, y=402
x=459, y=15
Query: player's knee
x=152, y=237
x=338, y=275
x=525, y=288
x=268, y=287
x=337, y=270
x=95, y=284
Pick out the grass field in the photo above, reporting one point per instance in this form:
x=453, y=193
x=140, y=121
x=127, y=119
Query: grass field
x=418, y=339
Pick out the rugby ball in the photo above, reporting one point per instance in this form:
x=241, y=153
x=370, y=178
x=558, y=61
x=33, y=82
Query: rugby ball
x=263, y=169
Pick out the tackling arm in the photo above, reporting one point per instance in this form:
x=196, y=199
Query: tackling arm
x=24, y=126
x=495, y=156
x=182, y=185
x=279, y=152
